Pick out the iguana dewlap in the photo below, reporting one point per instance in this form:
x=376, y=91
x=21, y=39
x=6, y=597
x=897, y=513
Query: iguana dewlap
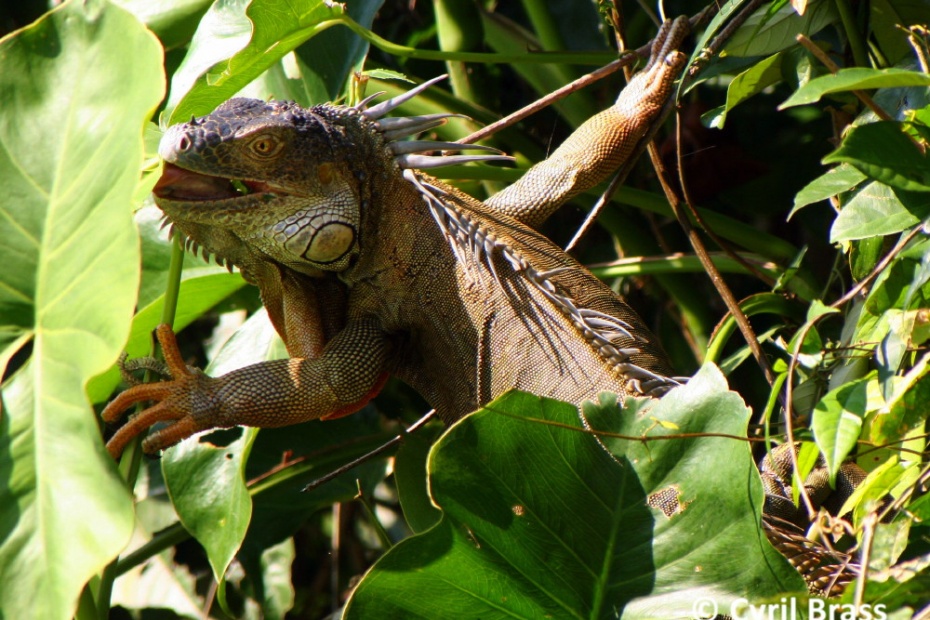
x=369, y=268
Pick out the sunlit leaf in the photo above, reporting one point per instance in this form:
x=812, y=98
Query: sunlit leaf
x=884, y=152
x=877, y=209
x=277, y=27
x=842, y=178
x=751, y=82
x=855, y=78
x=70, y=155
x=837, y=421
x=763, y=34
x=541, y=521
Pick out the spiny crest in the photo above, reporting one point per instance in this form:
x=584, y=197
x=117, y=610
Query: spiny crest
x=474, y=246
x=409, y=154
x=192, y=246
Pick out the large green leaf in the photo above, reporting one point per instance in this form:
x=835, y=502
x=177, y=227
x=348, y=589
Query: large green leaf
x=277, y=27
x=877, y=209
x=223, y=31
x=750, y=82
x=855, y=78
x=541, y=521
x=76, y=88
x=764, y=34
x=884, y=152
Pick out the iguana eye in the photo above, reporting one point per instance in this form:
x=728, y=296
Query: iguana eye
x=266, y=145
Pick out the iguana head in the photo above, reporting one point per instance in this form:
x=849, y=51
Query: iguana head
x=275, y=176
x=290, y=182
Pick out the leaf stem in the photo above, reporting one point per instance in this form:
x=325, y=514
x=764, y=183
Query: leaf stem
x=856, y=44
x=131, y=461
x=578, y=58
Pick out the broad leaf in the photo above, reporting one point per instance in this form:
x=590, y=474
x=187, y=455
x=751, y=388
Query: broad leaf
x=763, y=34
x=540, y=520
x=206, y=481
x=750, y=82
x=837, y=421
x=76, y=89
x=877, y=209
x=856, y=78
x=884, y=152
x=222, y=32
x=277, y=27
x=834, y=181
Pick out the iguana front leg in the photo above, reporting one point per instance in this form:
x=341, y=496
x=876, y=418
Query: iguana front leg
x=349, y=373
x=604, y=142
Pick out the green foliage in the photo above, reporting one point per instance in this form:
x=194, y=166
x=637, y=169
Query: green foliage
x=518, y=516
x=69, y=160
x=575, y=526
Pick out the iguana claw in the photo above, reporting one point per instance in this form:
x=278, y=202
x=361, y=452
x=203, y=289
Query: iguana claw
x=170, y=407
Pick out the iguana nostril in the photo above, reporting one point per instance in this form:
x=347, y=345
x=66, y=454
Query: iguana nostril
x=184, y=144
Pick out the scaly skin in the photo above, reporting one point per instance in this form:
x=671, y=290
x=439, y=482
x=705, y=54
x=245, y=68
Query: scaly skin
x=368, y=270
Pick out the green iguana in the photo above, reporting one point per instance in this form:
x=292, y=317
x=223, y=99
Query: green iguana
x=369, y=268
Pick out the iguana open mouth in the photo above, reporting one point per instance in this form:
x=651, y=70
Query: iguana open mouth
x=176, y=183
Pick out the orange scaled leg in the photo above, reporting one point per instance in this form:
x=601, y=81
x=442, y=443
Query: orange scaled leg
x=161, y=391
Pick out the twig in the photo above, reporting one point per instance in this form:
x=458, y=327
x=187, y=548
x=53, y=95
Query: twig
x=556, y=95
x=820, y=55
x=723, y=36
x=914, y=35
x=707, y=262
x=689, y=203
x=868, y=537
x=561, y=93
x=882, y=264
x=370, y=455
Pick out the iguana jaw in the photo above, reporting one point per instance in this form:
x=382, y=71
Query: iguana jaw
x=180, y=185
x=222, y=216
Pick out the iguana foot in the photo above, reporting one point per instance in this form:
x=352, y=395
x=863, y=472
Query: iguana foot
x=650, y=89
x=174, y=403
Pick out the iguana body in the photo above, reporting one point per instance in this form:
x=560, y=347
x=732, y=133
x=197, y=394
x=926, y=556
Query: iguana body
x=369, y=268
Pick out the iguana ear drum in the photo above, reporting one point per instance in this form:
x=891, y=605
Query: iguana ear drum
x=330, y=243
